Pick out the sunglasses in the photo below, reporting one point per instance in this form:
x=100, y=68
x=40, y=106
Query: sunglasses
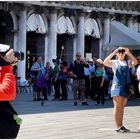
x=121, y=51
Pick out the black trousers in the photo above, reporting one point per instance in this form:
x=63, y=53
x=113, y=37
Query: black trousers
x=136, y=89
x=93, y=88
x=106, y=87
x=63, y=85
x=57, y=89
x=44, y=92
x=99, y=90
x=88, y=85
x=100, y=96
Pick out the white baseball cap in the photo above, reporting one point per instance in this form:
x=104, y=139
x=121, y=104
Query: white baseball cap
x=4, y=48
x=99, y=61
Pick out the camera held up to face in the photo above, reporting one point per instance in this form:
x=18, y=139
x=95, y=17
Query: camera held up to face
x=5, y=48
x=121, y=50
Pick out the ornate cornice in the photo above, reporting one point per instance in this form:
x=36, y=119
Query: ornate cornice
x=120, y=7
x=8, y=6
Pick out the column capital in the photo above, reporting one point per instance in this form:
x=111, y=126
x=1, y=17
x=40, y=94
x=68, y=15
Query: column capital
x=120, y=17
x=130, y=17
x=81, y=13
x=123, y=18
x=12, y=7
x=136, y=19
x=105, y=15
x=53, y=10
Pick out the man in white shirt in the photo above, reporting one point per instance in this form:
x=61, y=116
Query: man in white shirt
x=88, y=72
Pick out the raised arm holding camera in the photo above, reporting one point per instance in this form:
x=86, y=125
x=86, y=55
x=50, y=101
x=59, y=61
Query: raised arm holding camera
x=7, y=85
x=120, y=66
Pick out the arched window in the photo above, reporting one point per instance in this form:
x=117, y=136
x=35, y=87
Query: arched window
x=36, y=23
x=64, y=25
x=91, y=28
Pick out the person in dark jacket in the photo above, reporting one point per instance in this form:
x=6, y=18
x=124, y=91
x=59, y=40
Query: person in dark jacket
x=77, y=70
x=55, y=74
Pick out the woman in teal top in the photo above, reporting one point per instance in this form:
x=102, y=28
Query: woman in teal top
x=99, y=78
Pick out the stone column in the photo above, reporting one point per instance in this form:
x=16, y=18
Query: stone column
x=46, y=50
x=80, y=41
x=106, y=35
x=74, y=47
x=21, y=43
x=15, y=40
x=52, y=42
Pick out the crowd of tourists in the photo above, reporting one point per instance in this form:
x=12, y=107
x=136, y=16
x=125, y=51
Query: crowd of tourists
x=91, y=79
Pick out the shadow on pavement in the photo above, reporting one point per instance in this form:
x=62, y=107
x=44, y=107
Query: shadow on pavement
x=24, y=105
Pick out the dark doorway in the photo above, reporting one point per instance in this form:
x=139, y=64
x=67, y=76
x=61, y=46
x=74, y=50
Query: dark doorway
x=65, y=47
x=92, y=46
x=6, y=28
x=35, y=47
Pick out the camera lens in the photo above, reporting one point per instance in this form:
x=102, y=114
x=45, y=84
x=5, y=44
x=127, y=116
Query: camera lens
x=19, y=55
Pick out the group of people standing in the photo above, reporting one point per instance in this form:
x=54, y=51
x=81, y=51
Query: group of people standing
x=44, y=77
x=88, y=79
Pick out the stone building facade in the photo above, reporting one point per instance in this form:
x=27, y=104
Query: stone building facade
x=53, y=29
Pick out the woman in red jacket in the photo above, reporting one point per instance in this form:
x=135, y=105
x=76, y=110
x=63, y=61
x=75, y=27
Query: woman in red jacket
x=7, y=78
x=9, y=119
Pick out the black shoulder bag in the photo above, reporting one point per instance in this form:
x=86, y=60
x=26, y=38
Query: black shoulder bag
x=9, y=121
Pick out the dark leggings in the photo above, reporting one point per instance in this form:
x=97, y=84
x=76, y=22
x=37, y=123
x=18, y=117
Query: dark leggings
x=63, y=85
x=57, y=89
x=99, y=90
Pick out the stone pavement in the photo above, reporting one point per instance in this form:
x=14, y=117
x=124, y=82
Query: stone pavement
x=62, y=120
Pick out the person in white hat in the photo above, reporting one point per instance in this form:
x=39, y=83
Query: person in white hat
x=100, y=61
x=99, y=78
x=4, y=48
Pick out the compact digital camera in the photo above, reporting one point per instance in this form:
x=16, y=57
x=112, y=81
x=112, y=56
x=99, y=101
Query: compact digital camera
x=121, y=50
x=5, y=48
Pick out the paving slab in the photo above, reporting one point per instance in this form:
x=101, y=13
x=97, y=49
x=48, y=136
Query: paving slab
x=62, y=120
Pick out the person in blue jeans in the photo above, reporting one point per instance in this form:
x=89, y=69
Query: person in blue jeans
x=120, y=66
